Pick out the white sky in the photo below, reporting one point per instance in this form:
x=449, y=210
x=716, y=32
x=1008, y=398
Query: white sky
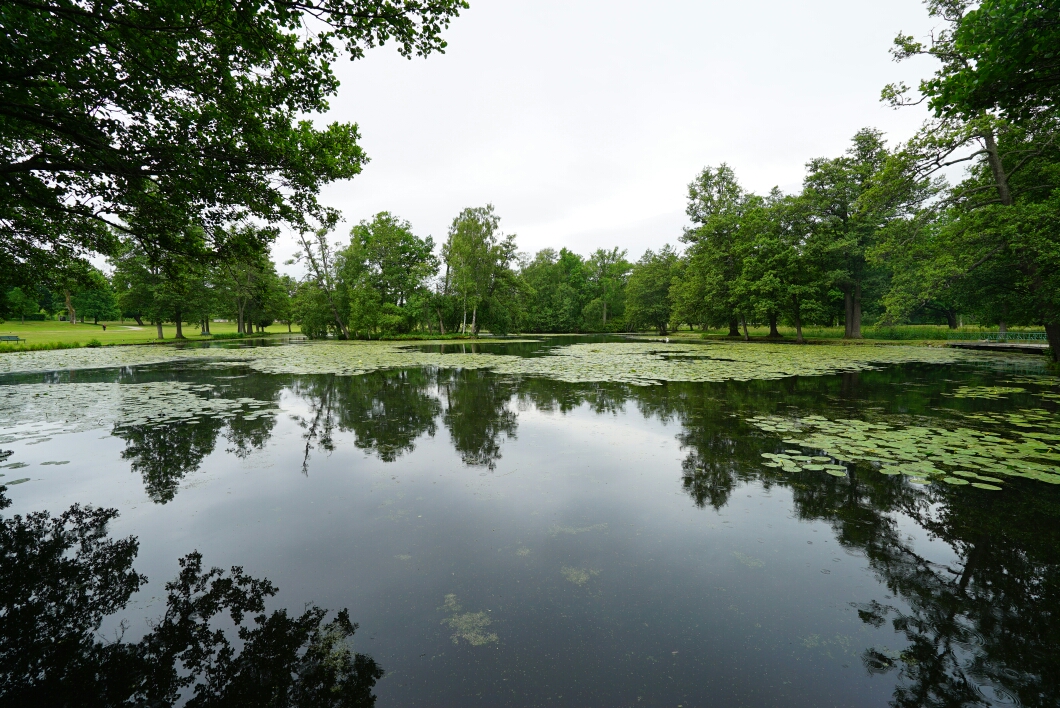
x=583, y=121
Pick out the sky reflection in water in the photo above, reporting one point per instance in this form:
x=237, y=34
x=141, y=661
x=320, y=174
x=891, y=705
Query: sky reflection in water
x=531, y=542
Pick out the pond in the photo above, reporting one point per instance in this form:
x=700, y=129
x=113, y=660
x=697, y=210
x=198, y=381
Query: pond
x=570, y=522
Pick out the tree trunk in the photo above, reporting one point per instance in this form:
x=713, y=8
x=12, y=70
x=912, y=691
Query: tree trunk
x=138, y=320
x=734, y=327
x=441, y=323
x=178, y=318
x=951, y=319
x=774, y=333
x=605, y=313
x=1002, y=328
x=463, y=322
x=207, y=321
x=848, y=312
x=288, y=326
x=998, y=169
x=746, y=337
x=852, y=306
x=798, y=320
x=1052, y=333
x=71, y=314
x=95, y=319
x=474, y=320
x=158, y=324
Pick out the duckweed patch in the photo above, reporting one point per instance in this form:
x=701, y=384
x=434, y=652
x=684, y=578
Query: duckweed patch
x=469, y=626
x=985, y=392
x=578, y=576
x=749, y=561
x=556, y=529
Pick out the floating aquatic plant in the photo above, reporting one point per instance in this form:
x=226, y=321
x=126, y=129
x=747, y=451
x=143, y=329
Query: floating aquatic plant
x=957, y=456
x=638, y=363
x=32, y=412
x=469, y=626
x=749, y=561
x=556, y=529
x=578, y=576
x=985, y=392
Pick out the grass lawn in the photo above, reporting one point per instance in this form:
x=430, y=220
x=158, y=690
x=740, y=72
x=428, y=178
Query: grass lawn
x=926, y=334
x=117, y=333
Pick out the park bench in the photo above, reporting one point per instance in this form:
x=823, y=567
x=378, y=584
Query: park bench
x=10, y=338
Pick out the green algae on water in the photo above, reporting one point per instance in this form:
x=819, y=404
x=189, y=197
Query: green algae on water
x=469, y=626
x=578, y=576
x=749, y=561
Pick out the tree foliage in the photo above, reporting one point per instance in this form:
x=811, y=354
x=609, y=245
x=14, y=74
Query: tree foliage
x=148, y=117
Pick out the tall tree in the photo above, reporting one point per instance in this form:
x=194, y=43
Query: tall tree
x=394, y=261
x=384, y=274
x=833, y=189
x=648, y=290
x=478, y=259
x=93, y=297
x=608, y=273
x=705, y=293
x=19, y=303
x=1000, y=120
x=323, y=278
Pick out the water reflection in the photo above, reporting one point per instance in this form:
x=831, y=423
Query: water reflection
x=477, y=410
x=163, y=454
x=976, y=628
x=386, y=410
x=61, y=576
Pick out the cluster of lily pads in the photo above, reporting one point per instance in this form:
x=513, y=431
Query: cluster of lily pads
x=32, y=412
x=985, y=392
x=957, y=456
x=637, y=363
x=162, y=404
x=647, y=364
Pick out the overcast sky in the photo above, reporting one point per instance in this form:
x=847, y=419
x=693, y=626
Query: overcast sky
x=583, y=121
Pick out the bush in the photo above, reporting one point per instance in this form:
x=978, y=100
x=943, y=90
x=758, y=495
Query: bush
x=94, y=343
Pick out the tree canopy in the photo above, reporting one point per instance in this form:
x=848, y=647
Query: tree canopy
x=145, y=117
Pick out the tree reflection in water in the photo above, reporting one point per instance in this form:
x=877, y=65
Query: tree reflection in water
x=385, y=410
x=477, y=411
x=59, y=577
x=983, y=630
x=164, y=454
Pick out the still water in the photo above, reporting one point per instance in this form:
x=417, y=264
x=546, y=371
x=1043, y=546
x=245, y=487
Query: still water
x=505, y=540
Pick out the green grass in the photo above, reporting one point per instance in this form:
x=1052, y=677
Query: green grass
x=898, y=333
x=63, y=335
